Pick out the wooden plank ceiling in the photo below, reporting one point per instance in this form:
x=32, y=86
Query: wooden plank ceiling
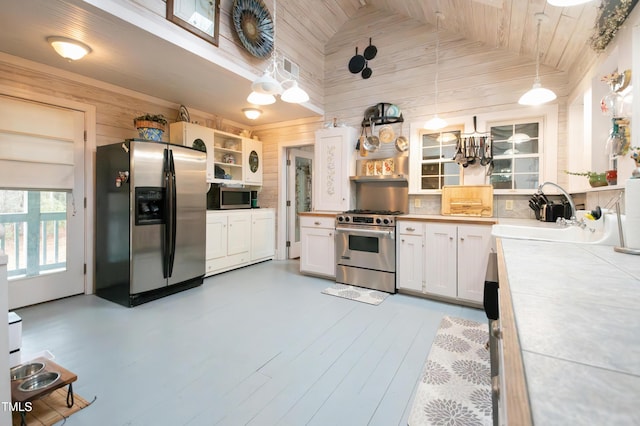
x=503, y=24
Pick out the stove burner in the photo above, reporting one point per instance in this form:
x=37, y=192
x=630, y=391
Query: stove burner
x=380, y=212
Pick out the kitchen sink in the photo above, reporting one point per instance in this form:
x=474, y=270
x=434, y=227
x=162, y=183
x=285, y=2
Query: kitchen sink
x=603, y=231
x=25, y=370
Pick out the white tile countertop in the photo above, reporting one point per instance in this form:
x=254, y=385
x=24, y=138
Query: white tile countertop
x=577, y=317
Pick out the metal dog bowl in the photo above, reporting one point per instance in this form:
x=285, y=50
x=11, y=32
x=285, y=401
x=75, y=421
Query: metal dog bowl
x=25, y=370
x=39, y=381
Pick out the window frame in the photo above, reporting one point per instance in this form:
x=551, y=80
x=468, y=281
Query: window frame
x=539, y=155
x=442, y=160
x=474, y=175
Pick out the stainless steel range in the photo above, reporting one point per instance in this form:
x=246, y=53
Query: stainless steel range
x=366, y=249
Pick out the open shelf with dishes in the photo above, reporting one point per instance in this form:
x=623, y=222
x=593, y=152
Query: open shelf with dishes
x=228, y=158
x=382, y=113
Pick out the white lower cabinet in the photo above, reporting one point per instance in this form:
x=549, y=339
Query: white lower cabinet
x=233, y=240
x=263, y=234
x=443, y=259
x=317, y=246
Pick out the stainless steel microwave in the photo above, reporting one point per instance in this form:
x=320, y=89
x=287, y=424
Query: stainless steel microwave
x=223, y=198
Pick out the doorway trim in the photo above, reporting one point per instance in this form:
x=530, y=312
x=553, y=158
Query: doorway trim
x=89, y=167
x=281, y=226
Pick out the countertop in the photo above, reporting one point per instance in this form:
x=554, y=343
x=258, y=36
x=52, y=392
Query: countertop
x=577, y=317
x=426, y=217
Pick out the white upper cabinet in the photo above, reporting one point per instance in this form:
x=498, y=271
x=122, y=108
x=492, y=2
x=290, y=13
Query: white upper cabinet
x=253, y=161
x=334, y=164
x=194, y=136
x=230, y=158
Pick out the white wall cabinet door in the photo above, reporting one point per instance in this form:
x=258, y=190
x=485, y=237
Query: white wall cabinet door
x=263, y=234
x=194, y=136
x=216, y=247
x=216, y=236
x=317, y=245
x=252, y=158
x=334, y=164
x=410, y=275
x=239, y=233
x=474, y=246
x=441, y=259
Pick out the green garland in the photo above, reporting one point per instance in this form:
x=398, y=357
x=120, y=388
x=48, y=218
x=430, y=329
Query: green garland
x=611, y=16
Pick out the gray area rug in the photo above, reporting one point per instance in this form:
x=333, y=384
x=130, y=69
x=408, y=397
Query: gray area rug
x=455, y=385
x=359, y=294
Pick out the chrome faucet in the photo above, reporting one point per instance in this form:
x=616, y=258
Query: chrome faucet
x=566, y=194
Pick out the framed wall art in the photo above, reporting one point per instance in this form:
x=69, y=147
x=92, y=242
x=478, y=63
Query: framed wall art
x=200, y=17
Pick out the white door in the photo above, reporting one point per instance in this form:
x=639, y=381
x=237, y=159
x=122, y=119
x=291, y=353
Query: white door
x=42, y=200
x=410, y=262
x=474, y=246
x=299, y=184
x=263, y=234
x=441, y=259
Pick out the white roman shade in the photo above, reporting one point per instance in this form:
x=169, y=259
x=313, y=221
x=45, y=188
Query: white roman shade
x=37, y=145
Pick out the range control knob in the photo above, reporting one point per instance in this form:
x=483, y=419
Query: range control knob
x=340, y=218
x=386, y=221
x=346, y=219
x=378, y=221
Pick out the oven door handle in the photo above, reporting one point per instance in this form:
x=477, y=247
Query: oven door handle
x=367, y=232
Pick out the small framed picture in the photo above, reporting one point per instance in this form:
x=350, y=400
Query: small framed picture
x=201, y=17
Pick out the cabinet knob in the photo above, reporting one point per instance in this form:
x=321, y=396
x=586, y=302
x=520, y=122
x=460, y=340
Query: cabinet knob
x=410, y=229
x=402, y=240
x=450, y=238
x=461, y=239
x=331, y=234
x=316, y=223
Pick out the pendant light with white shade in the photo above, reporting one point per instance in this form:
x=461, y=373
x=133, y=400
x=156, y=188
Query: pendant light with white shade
x=436, y=123
x=537, y=95
x=266, y=87
x=567, y=3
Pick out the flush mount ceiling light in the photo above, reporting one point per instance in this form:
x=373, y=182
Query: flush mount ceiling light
x=436, y=123
x=267, y=86
x=251, y=113
x=566, y=3
x=537, y=95
x=68, y=48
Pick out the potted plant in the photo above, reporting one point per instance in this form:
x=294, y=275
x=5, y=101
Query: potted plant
x=150, y=126
x=595, y=179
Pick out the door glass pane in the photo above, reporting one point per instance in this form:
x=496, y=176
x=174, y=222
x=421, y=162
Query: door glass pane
x=35, y=224
x=303, y=190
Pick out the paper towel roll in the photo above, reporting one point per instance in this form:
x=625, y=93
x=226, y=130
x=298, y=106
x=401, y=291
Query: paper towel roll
x=632, y=213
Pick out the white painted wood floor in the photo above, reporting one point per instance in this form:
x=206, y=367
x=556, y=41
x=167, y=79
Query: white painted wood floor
x=259, y=346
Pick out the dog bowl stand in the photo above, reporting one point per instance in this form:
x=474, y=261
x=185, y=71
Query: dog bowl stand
x=22, y=397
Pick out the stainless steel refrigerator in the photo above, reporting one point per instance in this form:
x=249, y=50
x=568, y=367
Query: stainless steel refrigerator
x=150, y=220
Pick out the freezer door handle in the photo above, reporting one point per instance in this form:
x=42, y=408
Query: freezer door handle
x=171, y=220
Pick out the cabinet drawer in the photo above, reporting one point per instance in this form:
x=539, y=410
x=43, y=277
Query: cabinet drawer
x=410, y=227
x=318, y=221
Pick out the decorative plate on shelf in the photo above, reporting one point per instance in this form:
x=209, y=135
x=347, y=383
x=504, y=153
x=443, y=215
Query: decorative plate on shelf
x=254, y=26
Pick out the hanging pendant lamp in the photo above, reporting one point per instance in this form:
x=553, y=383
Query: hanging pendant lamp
x=537, y=95
x=436, y=123
x=266, y=87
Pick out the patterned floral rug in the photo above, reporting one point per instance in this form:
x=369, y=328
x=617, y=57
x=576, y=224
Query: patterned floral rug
x=455, y=386
x=359, y=294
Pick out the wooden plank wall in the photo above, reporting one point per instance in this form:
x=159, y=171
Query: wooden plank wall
x=473, y=78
